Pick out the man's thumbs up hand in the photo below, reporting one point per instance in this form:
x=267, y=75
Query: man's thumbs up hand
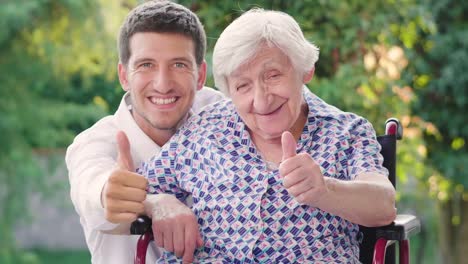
x=125, y=190
x=301, y=175
x=124, y=157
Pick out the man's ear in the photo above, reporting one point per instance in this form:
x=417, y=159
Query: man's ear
x=123, y=77
x=201, y=75
x=308, y=75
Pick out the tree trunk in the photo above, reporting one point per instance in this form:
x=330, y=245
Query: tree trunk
x=462, y=234
x=453, y=236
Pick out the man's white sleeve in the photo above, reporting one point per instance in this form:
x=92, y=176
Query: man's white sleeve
x=90, y=161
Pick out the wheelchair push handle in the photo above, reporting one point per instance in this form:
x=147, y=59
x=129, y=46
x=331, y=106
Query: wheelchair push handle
x=393, y=127
x=140, y=225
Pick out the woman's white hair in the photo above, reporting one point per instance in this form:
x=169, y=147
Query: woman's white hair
x=240, y=41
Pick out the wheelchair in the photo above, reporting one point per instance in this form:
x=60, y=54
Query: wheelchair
x=378, y=243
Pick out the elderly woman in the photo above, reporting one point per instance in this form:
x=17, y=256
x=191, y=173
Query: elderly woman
x=276, y=174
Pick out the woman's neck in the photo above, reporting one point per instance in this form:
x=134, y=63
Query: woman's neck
x=271, y=148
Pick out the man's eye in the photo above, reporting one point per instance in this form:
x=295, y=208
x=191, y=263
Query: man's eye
x=146, y=65
x=180, y=65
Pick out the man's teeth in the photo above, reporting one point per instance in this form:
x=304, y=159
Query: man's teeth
x=162, y=101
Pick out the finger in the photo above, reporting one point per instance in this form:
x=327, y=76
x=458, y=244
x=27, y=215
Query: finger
x=300, y=168
x=190, y=244
x=168, y=242
x=289, y=145
x=179, y=243
x=158, y=234
x=123, y=177
x=118, y=218
x=121, y=206
x=302, y=160
x=188, y=255
x=300, y=187
x=293, y=178
x=124, y=158
x=127, y=194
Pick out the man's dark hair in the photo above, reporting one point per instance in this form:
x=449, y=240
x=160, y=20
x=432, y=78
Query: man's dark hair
x=162, y=17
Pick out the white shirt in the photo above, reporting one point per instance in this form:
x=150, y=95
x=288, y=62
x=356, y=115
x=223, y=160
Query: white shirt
x=91, y=158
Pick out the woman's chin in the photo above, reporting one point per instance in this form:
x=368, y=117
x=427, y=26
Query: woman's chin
x=269, y=134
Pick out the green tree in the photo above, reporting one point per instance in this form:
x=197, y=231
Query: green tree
x=52, y=59
x=440, y=57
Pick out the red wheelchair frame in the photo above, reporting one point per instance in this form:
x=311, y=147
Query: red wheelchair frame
x=378, y=243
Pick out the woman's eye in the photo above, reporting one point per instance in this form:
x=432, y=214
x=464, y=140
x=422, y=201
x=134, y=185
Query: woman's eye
x=241, y=87
x=274, y=76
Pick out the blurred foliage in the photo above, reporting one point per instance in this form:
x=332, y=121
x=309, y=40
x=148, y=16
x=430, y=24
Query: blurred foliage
x=380, y=59
x=52, y=58
x=440, y=58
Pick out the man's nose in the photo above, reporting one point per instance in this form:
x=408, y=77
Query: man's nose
x=162, y=80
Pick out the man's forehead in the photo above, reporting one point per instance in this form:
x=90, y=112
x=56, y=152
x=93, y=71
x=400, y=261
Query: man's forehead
x=163, y=46
x=159, y=39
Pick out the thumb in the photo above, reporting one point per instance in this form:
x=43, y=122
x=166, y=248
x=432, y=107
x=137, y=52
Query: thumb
x=124, y=157
x=289, y=145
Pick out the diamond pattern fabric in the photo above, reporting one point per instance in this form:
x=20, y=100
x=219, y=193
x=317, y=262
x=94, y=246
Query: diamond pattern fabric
x=244, y=212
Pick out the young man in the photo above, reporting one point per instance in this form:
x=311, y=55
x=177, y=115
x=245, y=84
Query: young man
x=161, y=50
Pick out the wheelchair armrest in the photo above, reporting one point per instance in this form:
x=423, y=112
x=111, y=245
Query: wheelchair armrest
x=141, y=225
x=402, y=228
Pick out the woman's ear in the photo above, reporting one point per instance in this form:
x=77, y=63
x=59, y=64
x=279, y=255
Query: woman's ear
x=308, y=75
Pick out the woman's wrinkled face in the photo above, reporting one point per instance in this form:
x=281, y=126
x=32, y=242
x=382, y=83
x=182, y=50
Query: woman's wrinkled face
x=267, y=93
